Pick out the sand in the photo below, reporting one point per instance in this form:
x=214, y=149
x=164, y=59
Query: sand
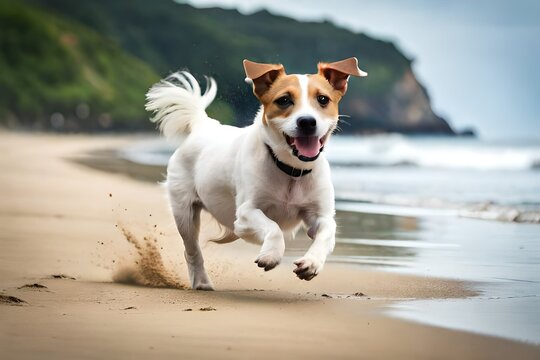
x=86, y=292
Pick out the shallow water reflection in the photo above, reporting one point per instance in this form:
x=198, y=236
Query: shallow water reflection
x=502, y=260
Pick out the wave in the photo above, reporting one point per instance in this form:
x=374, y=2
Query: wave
x=433, y=207
x=449, y=153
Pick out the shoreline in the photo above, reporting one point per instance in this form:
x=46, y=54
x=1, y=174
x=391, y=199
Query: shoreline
x=58, y=217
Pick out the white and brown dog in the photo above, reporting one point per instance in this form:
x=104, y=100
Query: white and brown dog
x=260, y=182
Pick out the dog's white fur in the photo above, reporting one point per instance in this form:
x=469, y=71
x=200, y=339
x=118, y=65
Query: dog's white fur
x=229, y=172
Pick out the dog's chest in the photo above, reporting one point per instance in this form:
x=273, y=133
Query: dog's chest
x=285, y=202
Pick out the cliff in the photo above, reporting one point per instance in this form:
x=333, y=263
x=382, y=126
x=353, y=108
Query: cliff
x=404, y=109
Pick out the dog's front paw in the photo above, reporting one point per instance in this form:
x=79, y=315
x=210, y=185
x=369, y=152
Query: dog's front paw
x=307, y=267
x=268, y=259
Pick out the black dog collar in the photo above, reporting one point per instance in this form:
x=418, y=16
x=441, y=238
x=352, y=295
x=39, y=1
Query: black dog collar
x=289, y=170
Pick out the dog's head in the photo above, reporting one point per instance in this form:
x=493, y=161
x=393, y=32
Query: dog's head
x=300, y=112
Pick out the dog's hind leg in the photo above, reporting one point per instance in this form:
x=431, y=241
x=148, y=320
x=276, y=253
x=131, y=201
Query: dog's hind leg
x=187, y=217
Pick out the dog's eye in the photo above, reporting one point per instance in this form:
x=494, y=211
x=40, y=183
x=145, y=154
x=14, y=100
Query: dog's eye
x=323, y=100
x=284, y=101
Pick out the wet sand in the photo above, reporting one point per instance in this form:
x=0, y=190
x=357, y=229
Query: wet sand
x=61, y=218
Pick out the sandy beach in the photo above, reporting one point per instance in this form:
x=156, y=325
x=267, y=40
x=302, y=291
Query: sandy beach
x=111, y=280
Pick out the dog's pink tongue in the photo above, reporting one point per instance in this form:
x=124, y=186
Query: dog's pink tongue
x=308, y=146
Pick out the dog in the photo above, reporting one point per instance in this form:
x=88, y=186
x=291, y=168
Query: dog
x=261, y=182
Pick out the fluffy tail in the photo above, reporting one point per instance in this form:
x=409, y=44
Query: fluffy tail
x=178, y=104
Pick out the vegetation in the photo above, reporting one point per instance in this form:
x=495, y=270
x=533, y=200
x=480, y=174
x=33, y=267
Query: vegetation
x=54, y=66
x=59, y=54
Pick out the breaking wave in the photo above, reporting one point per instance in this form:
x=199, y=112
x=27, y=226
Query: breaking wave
x=442, y=153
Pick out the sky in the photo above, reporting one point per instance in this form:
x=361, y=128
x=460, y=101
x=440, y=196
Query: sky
x=480, y=60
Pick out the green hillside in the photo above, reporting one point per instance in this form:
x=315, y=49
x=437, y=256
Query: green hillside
x=166, y=36
x=52, y=65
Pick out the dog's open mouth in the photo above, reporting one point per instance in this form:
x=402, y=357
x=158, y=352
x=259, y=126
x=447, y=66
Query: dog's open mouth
x=306, y=148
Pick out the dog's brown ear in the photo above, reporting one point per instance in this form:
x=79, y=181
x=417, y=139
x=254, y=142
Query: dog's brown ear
x=337, y=73
x=262, y=75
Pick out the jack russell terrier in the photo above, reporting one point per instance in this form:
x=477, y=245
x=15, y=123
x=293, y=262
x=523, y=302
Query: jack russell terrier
x=261, y=182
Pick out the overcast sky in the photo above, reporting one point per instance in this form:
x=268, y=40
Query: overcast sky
x=480, y=60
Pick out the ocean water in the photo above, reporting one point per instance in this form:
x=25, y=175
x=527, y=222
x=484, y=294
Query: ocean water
x=464, y=176
x=459, y=208
x=460, y=176
x=500, y=259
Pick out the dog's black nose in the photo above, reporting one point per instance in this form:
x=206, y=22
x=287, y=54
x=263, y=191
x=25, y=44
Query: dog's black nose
x=306, y=124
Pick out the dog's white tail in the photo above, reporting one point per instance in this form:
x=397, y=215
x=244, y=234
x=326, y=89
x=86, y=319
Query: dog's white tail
x=178, y=104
